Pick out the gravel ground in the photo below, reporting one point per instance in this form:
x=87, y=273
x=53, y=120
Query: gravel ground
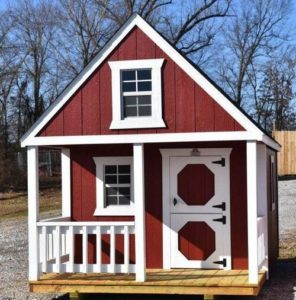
x=282, y=286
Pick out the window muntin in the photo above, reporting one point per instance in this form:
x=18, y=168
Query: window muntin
x=136, y=86
x=117, y=181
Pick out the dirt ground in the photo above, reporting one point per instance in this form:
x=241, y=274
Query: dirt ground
x=13, y=248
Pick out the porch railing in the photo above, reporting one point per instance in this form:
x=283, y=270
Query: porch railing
x=262, y=242
x=57, y=246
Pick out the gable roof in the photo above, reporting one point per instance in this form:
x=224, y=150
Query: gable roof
x=254, y=131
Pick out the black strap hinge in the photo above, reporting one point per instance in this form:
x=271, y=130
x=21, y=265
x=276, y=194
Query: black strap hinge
x=222, y=220
x=222, y=262
x=220, y=162
x=221, y=206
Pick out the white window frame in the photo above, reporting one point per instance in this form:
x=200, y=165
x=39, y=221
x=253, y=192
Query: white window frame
x=153, y=121
x=112, y=210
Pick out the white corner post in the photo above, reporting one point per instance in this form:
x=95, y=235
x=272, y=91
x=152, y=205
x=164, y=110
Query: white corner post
x=33, y=211
x=252, y=211
x=66, y=182
x=139, y=196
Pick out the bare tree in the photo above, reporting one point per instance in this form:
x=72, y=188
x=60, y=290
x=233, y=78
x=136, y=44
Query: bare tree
x=34, y=31
x=83, y=31
x=255, y=32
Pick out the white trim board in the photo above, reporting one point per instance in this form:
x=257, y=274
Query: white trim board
x=185, y=65
x=147, y=138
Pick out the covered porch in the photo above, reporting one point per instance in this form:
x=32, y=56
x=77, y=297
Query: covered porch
x=52, y=265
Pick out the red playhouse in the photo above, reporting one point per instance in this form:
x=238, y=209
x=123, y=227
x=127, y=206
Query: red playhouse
x=167, y=186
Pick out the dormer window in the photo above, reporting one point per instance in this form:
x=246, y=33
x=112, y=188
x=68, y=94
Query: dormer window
x=136, y=94
x=136, y=86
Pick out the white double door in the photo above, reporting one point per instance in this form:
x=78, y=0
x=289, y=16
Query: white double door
x=200, y=212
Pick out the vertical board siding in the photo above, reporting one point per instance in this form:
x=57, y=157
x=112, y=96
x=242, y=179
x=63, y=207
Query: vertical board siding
x=185, y=112
x=286, y=156
x=186, y=107
x=204, y=109
x=73, y=116
x=91, y=106
x=84, y=198
x=273, y=230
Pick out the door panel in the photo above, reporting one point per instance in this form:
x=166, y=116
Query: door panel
x=199, y=205
x=197, y=184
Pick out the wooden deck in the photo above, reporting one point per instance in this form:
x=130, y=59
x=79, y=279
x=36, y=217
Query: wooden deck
x=178, y=281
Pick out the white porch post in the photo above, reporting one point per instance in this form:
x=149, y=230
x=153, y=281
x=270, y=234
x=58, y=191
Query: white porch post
x=139, y=197
x=33, y=211
x=66, y=182
x=252, y=211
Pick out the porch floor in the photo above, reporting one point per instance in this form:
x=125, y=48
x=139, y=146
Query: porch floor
x=176, y=281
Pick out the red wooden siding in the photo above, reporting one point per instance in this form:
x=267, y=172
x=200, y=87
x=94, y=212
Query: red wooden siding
x=84, y=198
x=186, y=107
x=272, y=195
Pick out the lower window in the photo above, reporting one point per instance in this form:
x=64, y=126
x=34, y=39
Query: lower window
x=114, y=186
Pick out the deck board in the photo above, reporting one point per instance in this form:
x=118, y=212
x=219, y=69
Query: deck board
x=177, y=281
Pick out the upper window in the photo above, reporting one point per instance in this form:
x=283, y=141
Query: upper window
x=114, y=186
x=136, y=94
x=136, y=86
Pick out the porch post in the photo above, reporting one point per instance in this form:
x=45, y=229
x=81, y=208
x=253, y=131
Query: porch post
x=139, y=196
x=33, y=211
x=66, y=182
x=252, y=211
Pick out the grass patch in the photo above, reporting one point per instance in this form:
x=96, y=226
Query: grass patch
x=15, y=205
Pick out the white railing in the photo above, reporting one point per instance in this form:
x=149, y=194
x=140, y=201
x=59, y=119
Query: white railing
x=57, y=249
x=262, y=242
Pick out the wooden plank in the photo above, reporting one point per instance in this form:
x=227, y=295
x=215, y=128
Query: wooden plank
x=286, y=157
x=198, y=282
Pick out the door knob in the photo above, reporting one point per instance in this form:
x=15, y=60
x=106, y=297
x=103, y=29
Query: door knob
x=175, y=201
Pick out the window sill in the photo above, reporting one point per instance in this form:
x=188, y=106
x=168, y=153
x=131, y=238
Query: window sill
x=114, y=211
x=137, y=123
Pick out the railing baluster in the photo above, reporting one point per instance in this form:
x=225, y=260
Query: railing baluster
x=112, y=249
x=99, y=248
x=44, y=249
x=85, y=250
x=58, y=249
x=71, y=249
x=126, y=249
x=57, y=246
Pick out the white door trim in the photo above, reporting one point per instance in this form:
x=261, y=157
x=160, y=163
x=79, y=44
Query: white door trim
x=166, y=214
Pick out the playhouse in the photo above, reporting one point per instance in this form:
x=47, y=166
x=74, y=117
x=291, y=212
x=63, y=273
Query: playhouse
x=167, y=186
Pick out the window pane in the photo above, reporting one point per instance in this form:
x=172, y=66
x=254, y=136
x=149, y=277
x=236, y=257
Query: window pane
x=128, y=86
x=111, y=191
x=124, y=169
x=110, y=169
x=124, y=179
x=110, y=179
x=130, y=100
x=144, y=111
x=124, y=191
x=130, y=111
x=128, y=75
x=144, y=99
x=144, y=86
x=144, y=74
x=111, y=200
x=124, y=200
